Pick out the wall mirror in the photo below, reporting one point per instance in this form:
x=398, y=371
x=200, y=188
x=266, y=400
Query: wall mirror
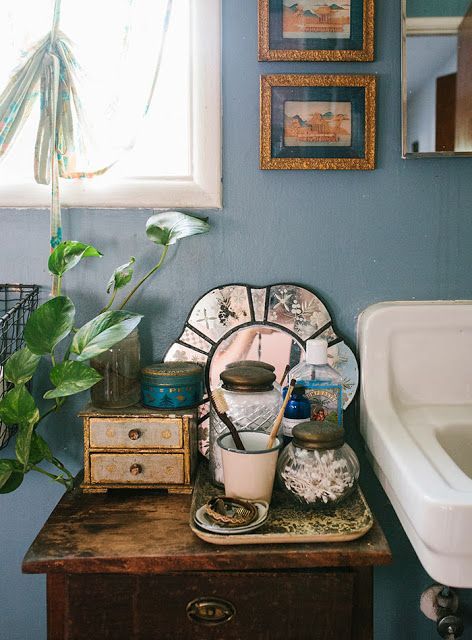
x=437, y=78
x=272, y=324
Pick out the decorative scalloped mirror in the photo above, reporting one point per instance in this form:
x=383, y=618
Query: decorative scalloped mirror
x=272, y=324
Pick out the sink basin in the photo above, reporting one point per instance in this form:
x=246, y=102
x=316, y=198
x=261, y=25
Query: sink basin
x=456, y=441
x=416, y=420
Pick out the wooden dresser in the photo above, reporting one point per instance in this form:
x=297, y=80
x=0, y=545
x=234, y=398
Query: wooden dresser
x=125, y=566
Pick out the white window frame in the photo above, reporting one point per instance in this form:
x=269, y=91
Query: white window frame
x=202, y=188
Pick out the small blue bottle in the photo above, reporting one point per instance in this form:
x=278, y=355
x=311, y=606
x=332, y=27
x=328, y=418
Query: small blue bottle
x=298, y=410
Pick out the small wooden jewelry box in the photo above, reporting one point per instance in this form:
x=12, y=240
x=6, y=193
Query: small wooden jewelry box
x=139, y=447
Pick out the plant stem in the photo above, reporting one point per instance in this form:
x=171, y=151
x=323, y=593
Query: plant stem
x=54, y=408
x=59, y=479
x=58, y=404
x=57, y=463
x=148, y=275
x=59, y=285
x=112, y=299
x=67, y=353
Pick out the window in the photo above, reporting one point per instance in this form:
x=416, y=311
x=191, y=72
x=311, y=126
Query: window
x=176, y=160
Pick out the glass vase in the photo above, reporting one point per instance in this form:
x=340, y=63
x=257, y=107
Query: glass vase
x=120, y=367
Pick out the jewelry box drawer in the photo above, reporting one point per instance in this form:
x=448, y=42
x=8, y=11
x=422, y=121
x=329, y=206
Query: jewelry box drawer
x=136, y=433
x=144, y=468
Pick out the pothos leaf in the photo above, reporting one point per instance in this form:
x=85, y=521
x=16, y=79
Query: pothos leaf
x=103, y=332
x=168, y=227
x=11, y=475
x=71, y=377
x=69, y=253
x=39, y=449
x=121, y=276
x=49, y=324
x=18, y=406
x=23, y=440
x=21, y=366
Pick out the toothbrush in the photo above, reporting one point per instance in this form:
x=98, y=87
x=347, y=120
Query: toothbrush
x=278, y=420
x=284, y=375
x=221, y=407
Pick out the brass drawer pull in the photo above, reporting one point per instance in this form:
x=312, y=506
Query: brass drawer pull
x=210, y=611
x=135, y=469
x=134, y=434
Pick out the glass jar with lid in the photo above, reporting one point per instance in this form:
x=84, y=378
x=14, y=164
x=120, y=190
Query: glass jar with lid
x=255, y=363
x=253, y=404
x=318, y=468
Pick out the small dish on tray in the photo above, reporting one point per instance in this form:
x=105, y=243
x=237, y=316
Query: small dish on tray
x=205, y=522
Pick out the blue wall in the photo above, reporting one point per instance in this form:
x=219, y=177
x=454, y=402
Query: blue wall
x=403, y=231
x=417, y=8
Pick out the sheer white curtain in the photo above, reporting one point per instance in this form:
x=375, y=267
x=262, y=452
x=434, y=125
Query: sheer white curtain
x=90, y=67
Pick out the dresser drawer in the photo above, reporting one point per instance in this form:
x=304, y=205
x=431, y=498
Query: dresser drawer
x=144, y=468
x=216, y=605
x=136, y=433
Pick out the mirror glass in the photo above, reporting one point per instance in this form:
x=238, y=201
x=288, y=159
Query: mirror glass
x=437, y=77
x=264, y=343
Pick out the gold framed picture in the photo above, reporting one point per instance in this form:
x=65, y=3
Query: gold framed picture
x=318, y=122
x=316, y=30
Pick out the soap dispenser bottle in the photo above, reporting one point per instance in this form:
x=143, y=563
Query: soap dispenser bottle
x=323, y=384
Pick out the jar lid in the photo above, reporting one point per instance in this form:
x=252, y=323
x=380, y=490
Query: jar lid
x=251, y=363
x=247, y=379
x=316, y=435
x=173, y=369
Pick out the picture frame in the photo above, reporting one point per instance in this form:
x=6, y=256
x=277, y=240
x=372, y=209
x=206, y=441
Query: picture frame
x=315, y=30
x=318, y=121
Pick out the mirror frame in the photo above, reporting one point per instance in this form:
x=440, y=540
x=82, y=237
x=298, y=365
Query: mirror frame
x=407, y=155
x=191, y=336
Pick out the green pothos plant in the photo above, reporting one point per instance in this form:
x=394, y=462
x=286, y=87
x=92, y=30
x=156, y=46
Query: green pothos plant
x=49, y=326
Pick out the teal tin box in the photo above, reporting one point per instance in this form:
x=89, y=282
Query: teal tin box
x=172, y=385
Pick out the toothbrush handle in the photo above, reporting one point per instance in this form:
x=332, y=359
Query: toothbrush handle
x=279, y=418
x=234, y=432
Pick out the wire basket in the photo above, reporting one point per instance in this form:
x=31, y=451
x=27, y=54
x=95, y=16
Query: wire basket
x=17, y=301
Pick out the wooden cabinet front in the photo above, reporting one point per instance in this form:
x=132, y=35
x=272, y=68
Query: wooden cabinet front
x=204, y=606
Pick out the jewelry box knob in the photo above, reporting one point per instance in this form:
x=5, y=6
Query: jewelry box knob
x=134, y=434
x=135, y=469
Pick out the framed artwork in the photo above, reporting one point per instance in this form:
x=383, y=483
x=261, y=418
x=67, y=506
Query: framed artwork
x=320, y=30
x=317, y=121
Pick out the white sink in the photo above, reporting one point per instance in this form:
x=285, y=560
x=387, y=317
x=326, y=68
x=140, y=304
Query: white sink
x=416, y=419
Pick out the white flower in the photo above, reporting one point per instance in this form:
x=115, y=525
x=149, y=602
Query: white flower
x=283, y=300
x=296, y=308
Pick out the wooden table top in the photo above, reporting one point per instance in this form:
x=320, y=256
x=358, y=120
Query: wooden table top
x=148, y=532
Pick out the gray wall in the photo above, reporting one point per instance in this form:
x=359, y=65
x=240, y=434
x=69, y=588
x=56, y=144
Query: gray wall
x=403, y=231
